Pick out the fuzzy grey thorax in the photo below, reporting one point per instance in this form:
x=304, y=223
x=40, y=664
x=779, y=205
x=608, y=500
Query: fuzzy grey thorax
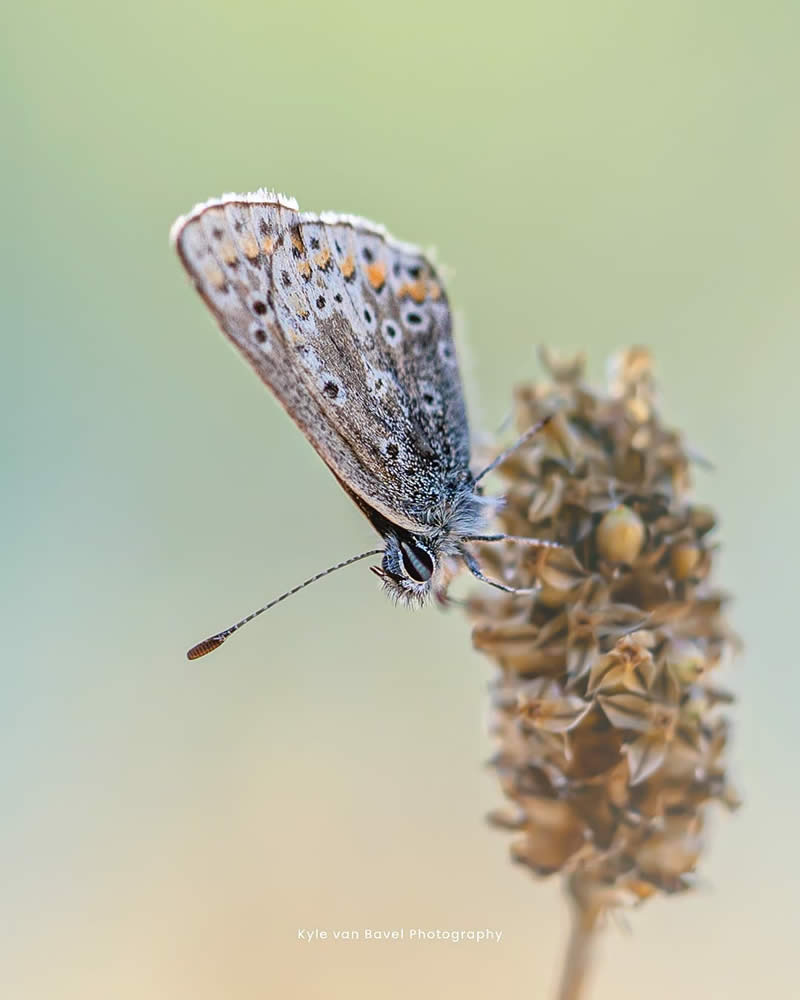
x=413, y=561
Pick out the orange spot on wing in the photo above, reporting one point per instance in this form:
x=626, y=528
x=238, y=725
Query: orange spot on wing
x=376, y=275
x=215, y=276
x=348, y=266
x=305, y=269
x=322, y=258
x=250, y=247
x=297, y=241
x=228, y=252
x=268, y=244
x=412, y=289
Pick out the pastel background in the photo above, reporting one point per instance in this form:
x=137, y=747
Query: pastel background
x=595, y=175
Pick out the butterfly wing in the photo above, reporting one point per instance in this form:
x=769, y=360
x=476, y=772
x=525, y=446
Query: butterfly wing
x=352, y=332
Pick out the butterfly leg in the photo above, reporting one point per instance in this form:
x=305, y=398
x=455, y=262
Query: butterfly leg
x=472, y=565
x=522, y=539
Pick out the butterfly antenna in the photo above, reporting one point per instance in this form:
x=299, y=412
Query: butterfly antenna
x=215, y=641
x=517, y=444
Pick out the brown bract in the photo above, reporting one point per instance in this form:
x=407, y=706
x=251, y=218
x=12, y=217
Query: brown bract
x=610, y=737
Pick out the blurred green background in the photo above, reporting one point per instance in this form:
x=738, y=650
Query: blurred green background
x=595, y=175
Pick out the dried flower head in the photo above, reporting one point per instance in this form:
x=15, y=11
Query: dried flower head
x=610, y=737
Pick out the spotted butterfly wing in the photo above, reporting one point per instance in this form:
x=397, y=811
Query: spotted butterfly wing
x=352, y=332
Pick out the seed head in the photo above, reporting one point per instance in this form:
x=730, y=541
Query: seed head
x=610, y=737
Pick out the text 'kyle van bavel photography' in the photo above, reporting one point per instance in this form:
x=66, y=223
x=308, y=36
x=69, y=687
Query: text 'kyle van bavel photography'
x=478, y=936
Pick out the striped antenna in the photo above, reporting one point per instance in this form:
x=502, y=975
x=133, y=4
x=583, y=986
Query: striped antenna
x=215, y=641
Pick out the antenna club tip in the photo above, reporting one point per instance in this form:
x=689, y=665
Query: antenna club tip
x=206, y=646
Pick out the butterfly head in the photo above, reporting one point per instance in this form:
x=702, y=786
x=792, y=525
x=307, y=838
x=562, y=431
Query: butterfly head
x=408, y=568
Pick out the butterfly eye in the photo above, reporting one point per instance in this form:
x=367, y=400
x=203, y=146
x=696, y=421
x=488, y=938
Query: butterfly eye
x=418, y=563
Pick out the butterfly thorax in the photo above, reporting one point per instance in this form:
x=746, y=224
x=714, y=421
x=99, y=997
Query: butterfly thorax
x=414, y=561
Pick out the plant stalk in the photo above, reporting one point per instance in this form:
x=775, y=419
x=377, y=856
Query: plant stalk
x=580, y=949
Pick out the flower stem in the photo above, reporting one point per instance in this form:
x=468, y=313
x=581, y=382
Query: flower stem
x=579, y=951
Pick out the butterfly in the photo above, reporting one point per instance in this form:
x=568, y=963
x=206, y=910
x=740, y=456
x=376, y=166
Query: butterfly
x=352, y=331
